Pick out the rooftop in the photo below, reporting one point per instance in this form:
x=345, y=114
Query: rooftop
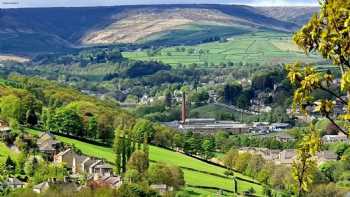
x=63, y=152
x=41, y=186
x=104, y=166
x=14, y=181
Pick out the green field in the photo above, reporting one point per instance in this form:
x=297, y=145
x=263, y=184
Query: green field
x=196, y=171
x=261, y=47
x=193, y=34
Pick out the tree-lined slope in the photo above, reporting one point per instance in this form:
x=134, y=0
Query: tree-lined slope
x=197, y=173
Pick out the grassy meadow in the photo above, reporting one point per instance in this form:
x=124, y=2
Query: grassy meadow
x=197, y=173
x=260, y=47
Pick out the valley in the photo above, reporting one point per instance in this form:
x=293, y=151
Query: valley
x=175, y=100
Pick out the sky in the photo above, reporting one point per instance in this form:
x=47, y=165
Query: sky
x=80, y=3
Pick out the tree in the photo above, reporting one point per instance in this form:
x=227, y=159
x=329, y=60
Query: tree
x=242, y=161
x=10, y=165
x=134, y=190
x=208, y=146
x=46, y=119
x=264, y=174
x=132, y=176
x=141, y=128
x=92, y=127
x=10, y=108
x=46, y=171
x=263, y=81
x=221, y=138
x=164, y=174
x=341, y=148
x=327, y=33
x=231, y=91
x=255, y=165
x=281, y=177
x=178, y=140
x=138, y=161
x=326, y=190
x=199, y=98
x=243, y=100
x=30, y=166
x=104, y=127
x=117, y=148
x=67, y=120
x=163, y=137
x=123, y=145
x=267, y=191
x=177, y=176
x=31, y=118
x=328, y=169
x=168, y=98
x=305, y=165
x=230, y=158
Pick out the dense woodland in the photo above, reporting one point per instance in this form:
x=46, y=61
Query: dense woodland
x=32, y=102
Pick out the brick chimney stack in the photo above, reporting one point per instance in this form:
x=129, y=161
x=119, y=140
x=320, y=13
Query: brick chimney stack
x=183, y=108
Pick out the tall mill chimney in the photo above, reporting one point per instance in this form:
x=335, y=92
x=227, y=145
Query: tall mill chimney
x=183, y=108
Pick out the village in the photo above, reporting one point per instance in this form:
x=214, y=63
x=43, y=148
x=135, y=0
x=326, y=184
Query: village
x=93, y=171
x=100, y=172
x=286, y=157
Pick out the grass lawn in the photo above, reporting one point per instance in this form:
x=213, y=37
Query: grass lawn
x=193, y=177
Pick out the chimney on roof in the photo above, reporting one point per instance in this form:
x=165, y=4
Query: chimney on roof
x=183, y=108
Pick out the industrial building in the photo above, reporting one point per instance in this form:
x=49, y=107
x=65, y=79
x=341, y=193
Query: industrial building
x=210, y=125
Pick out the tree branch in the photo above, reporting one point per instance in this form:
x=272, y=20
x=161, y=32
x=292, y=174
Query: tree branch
x=335, y=124
x=333, y=94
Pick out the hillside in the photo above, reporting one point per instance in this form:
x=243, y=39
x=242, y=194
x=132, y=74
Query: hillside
x=269, y=48
x=197, y=173
x=297, y=15
x=35, y=95
x=33, y=30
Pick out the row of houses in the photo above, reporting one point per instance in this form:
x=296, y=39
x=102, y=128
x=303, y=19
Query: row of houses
x=326, y=139
x=286, y=157
x=97, y=171
x=81, y=164
x=340, y=137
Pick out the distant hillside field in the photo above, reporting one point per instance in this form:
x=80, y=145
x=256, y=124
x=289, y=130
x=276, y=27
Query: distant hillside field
x=13, y=58
x=197, y=173
x=261, y=47
x=39, y=30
